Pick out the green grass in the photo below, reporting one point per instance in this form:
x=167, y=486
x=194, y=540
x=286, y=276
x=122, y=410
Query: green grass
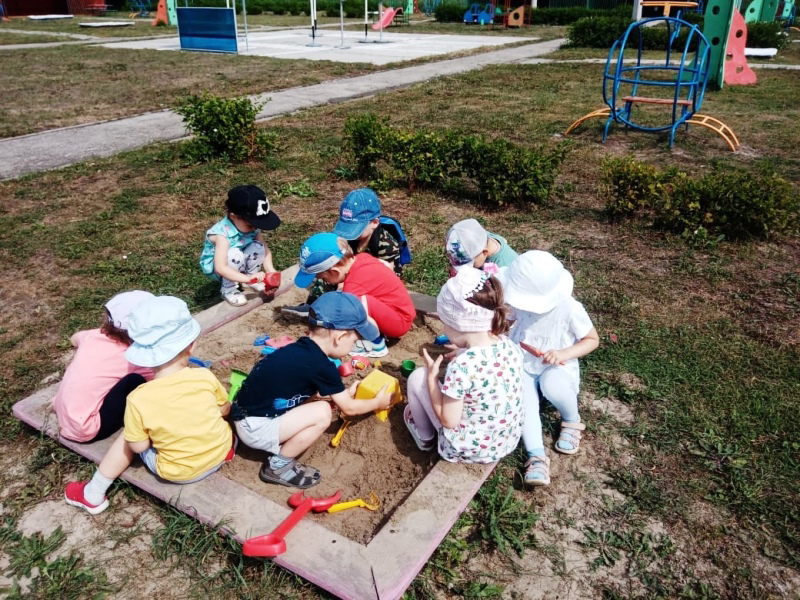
x=7, y=39
x=710, y=332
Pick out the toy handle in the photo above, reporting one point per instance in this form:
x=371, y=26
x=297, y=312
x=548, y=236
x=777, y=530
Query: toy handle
x=345, y=505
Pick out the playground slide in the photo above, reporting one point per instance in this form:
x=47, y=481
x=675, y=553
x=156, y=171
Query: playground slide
x=388, y=17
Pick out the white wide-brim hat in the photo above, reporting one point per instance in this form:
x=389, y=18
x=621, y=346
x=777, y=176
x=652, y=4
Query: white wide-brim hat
x=536, y=282
x=454, y=308
x=161, y=328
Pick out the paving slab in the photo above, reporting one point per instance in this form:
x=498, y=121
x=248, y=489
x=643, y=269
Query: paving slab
x=379, y=570
x=293, y=44
x=69, y=145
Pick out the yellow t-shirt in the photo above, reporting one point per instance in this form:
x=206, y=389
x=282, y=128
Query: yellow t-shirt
x=180, y=416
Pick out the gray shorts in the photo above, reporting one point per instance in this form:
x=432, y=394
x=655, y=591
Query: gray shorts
x=261, y=433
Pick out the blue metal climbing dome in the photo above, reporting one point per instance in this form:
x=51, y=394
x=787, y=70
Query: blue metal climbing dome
x=658, y=95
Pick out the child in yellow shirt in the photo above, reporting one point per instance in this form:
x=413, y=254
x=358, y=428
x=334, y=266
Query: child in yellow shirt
x=174, y=422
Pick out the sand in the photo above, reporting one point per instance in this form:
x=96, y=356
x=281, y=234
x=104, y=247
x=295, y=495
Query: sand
x=373, y=457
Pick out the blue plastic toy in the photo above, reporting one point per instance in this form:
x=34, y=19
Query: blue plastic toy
x=441, y=340
x=260, y=340
x=267, y=350
x=199, y=362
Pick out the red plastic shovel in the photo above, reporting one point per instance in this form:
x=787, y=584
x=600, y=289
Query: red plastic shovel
x=273, y=544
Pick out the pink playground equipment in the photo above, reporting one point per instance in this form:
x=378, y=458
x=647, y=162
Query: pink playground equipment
x=386, y=16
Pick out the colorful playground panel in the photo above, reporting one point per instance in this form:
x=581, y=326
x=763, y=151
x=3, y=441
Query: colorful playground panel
x=207, y=29
x=381, y=569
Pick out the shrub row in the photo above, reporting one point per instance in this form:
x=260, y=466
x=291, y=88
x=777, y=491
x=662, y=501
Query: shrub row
x=732, y=203
x=567, y=16
x=602, y=32
x=450, y=12
x=496, y=172
x=766, y=35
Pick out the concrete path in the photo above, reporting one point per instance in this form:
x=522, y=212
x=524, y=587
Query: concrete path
x=76, y=36
x=61, y=147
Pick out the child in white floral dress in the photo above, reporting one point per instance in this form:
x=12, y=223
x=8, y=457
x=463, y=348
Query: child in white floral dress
x=476, y=414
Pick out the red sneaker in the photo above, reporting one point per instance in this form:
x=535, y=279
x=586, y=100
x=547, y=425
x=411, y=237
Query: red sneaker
x=74, y=496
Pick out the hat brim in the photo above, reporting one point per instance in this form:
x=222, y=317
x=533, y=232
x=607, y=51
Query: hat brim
x=349, y=230
x=266, y=222
x=368, y=331
x=155, y=356
x=303, y=280
x=536, y=304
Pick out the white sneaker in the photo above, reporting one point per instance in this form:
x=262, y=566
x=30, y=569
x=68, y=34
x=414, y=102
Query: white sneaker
x=370, y=349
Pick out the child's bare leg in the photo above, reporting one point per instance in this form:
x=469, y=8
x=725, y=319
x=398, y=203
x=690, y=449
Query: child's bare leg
x=299, y=428
x=302, y=426
x=91, y=496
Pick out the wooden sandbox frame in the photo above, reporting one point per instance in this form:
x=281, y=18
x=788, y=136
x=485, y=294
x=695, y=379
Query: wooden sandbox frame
x=381, y=569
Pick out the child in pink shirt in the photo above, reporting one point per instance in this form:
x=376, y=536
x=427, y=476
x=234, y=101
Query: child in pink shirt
x=90, y=402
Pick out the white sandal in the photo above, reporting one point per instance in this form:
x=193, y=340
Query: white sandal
x=235, y=298
x=537, y=470
x=570, y=434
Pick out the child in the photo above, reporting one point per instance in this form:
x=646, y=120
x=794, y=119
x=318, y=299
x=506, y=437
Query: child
x=387, y=301
x=272, y=411
x=468, y=244
x=174, y=422
x=477, y=412
x=360, y=224
x=555, y=331
x=90, y=402
x=234, y=250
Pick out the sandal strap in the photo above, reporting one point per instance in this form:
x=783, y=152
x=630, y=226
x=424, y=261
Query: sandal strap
x=572, y=425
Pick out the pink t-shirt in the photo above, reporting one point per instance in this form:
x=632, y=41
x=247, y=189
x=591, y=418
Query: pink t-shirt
x=99, y=363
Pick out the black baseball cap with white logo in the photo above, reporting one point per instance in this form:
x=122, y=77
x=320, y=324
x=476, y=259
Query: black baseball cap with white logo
x=250, y=202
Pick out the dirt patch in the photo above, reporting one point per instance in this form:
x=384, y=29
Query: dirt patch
x=373, y=456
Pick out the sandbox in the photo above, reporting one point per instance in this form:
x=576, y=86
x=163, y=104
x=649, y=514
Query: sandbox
x=356, y=553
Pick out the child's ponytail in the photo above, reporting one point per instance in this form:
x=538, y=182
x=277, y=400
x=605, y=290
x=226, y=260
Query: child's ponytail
x=490, y=296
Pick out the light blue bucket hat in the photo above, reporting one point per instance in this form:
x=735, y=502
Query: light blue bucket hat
x=160, y=328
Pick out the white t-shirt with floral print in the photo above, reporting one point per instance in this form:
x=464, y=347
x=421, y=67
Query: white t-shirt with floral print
x=489, y=381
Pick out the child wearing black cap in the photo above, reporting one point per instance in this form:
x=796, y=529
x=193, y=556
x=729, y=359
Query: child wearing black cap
x=234, y=250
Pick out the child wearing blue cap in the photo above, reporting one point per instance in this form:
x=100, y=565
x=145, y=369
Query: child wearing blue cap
x=330, y=258
x=234, y=251
x=174, y=422
x=273, y=410
x=361, y=225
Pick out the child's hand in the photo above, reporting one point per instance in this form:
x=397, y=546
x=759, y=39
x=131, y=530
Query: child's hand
x=453, y=351
x=384, y=398
x=433, y=365
x=554, y=357
x=352, y=389
x=257, y=277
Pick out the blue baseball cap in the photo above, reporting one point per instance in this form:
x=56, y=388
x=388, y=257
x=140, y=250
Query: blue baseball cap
x=319, y=253
x=343, y=311
x=357, y=209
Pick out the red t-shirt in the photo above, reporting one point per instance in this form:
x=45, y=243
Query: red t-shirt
x=388, y=300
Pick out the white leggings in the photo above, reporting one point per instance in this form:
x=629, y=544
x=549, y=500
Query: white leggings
x=419, y=400
x=556, y=385
x=247, y=260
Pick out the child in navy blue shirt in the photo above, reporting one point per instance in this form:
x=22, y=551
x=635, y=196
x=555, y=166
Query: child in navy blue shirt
x=274, y=410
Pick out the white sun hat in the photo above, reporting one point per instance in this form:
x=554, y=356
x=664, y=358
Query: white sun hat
x=120, y=306
x=536, y=282
x=161, y=328
x=453, y=306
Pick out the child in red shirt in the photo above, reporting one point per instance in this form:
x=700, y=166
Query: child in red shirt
x=388, y=303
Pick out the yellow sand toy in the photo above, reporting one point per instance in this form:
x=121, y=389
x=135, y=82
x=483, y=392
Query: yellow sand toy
x=372, y=503
x=369, y=388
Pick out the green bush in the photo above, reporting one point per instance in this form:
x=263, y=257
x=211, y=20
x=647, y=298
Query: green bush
x=497, y=172
x=596, y=32
x=766, y=35
x=224, y=128
x=734, y=204
x=450, y=12
x=631, y=186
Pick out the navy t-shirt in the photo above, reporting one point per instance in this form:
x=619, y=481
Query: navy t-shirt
x=285, y=379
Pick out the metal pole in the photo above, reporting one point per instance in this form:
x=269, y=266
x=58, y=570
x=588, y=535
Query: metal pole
x=244, y=16
x=380, y=39
x=313, y=11
x=341, y=46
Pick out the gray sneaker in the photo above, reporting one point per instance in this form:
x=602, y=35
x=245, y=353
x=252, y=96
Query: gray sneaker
x=301, y=310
